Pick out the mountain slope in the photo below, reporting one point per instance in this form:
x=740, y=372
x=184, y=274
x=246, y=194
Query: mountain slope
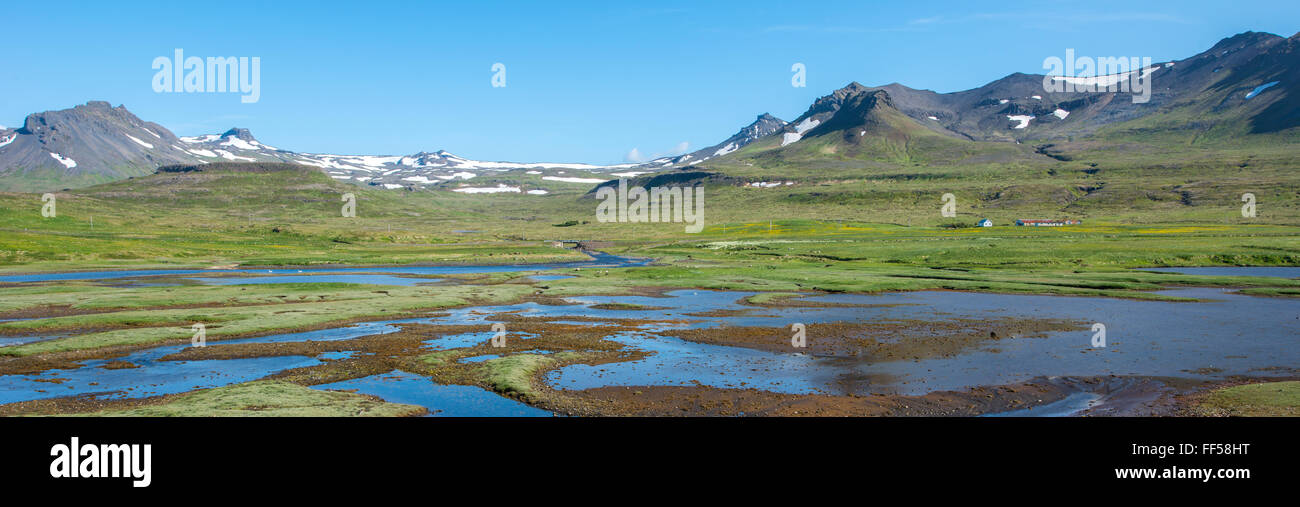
x=856, y=123
x=1243, y=90
x=1256, y=99
x=88, y=144
x=96, y=143
x=1017, y=107
x=763, y=126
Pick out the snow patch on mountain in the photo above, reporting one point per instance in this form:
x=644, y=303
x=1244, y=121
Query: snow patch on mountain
x=231, y=156
x=574, y=180
x=139, y=142
x=67, y=162
x=1021, y=119
x=488, y=190
x=806, y=125
x=1261, y=88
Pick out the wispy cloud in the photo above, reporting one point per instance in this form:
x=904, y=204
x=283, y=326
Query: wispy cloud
x=634, y=155
x=828, y=29
x=1055, y=18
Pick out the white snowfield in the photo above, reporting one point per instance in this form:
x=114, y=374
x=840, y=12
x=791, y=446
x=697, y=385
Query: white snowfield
x=1021, y=119
x=231, y=156
x=803, y=126
x=730, y=147
x=407, y=171
x=487, y=190
x=574, y=180
x=139, y=142
x=1261, y=88
x=239, y=143
x=1061, y=113
x=67, y=162
x=4, y=141
x=806, y=125
x=1106, y=80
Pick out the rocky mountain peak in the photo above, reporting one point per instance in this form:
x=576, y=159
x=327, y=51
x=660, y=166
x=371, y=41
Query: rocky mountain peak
x=239, y=133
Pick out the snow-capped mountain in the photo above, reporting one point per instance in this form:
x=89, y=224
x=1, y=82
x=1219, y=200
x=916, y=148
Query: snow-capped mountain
x=389, y=171
x=84, y=145
x=763, y=126
x=96, y=143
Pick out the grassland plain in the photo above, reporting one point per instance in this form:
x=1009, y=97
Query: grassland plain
x=851, y=227
x=1268, y=399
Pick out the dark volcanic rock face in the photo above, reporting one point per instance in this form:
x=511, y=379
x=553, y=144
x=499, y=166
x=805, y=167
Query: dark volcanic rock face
x=238, y=133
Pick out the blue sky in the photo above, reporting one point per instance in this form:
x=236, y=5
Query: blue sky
x=585, y=81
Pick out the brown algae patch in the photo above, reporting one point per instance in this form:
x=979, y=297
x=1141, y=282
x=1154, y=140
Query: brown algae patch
x=413, y=350
x=658, y=401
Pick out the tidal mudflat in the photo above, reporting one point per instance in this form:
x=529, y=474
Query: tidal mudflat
x=711, y=352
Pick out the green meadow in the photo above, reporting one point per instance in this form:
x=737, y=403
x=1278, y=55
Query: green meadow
x=859, y=230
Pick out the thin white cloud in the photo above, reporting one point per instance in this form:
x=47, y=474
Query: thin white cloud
x=1055, y=17
x=634, y=155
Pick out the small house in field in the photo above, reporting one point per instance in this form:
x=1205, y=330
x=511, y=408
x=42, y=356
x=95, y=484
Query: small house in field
x=1047, y=222
x=984, y=223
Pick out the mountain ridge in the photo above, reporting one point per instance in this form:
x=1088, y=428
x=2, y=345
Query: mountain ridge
x=1246, y=84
